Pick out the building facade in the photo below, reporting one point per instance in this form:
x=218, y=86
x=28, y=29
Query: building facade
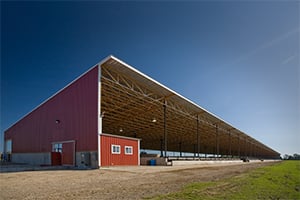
x=64, y=130
x=96, y=120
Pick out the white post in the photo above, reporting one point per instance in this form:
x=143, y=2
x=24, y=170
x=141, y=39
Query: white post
x=99, y=115
x=139, y=153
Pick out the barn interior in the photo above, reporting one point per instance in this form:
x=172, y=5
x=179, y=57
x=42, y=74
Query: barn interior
x=135, y=105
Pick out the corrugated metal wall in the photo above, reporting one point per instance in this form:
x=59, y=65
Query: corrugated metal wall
x=76, y=109
x=67, y=157
x=109, y=159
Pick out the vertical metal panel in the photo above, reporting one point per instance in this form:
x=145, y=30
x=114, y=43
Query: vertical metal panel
x=71, y=114
x=109, y=159
x=68, y=154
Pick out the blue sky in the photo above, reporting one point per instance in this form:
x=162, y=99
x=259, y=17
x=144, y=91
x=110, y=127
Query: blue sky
x=239, y=60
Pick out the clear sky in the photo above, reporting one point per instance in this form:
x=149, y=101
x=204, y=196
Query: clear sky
x=237, y=59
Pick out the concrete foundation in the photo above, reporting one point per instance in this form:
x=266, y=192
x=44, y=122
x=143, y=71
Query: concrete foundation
x=213, y=162
x=87, y=159
x=32, y=158
x=158, y=160
x=82, y=159
x=202, y=162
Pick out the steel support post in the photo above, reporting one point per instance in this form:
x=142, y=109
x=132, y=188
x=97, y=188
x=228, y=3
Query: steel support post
x=161, y=147
x=245, y=153
x=229, y=134
x=198, y=138
x=217, y=141
x=180, y=150
x=239, y=147
x=251, y=150
x=165, y=129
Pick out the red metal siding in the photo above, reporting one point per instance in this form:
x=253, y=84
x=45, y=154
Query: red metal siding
x=67, y=157
x=75, y=107
x=109, y=159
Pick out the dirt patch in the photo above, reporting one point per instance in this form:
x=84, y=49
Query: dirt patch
x=112, y=183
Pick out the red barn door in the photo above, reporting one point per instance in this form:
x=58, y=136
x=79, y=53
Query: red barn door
x=68, y=153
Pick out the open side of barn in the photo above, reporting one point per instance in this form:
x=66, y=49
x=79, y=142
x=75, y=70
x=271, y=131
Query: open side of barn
x=135, y=105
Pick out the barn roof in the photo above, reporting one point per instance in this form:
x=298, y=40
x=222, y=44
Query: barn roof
x=133, y=104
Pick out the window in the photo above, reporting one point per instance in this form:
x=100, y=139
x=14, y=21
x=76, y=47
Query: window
x=57, y=147
x=8, y=146
x=128, y=150
x=115, y=149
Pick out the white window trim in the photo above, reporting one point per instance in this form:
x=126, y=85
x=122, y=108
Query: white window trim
x=130, y=147
x=112, y=149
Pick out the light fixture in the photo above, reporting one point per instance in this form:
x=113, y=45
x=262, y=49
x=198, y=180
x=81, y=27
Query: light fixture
x=57, y=121
x=121, y=130
x=154, y=120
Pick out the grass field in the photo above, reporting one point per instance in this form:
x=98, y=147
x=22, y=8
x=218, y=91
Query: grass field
x=279, y=181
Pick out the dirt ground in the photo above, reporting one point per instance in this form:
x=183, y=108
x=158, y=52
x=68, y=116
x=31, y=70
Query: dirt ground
x=112, y=183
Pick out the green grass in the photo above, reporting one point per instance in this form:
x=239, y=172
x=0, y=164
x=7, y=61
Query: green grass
x=279, y=181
